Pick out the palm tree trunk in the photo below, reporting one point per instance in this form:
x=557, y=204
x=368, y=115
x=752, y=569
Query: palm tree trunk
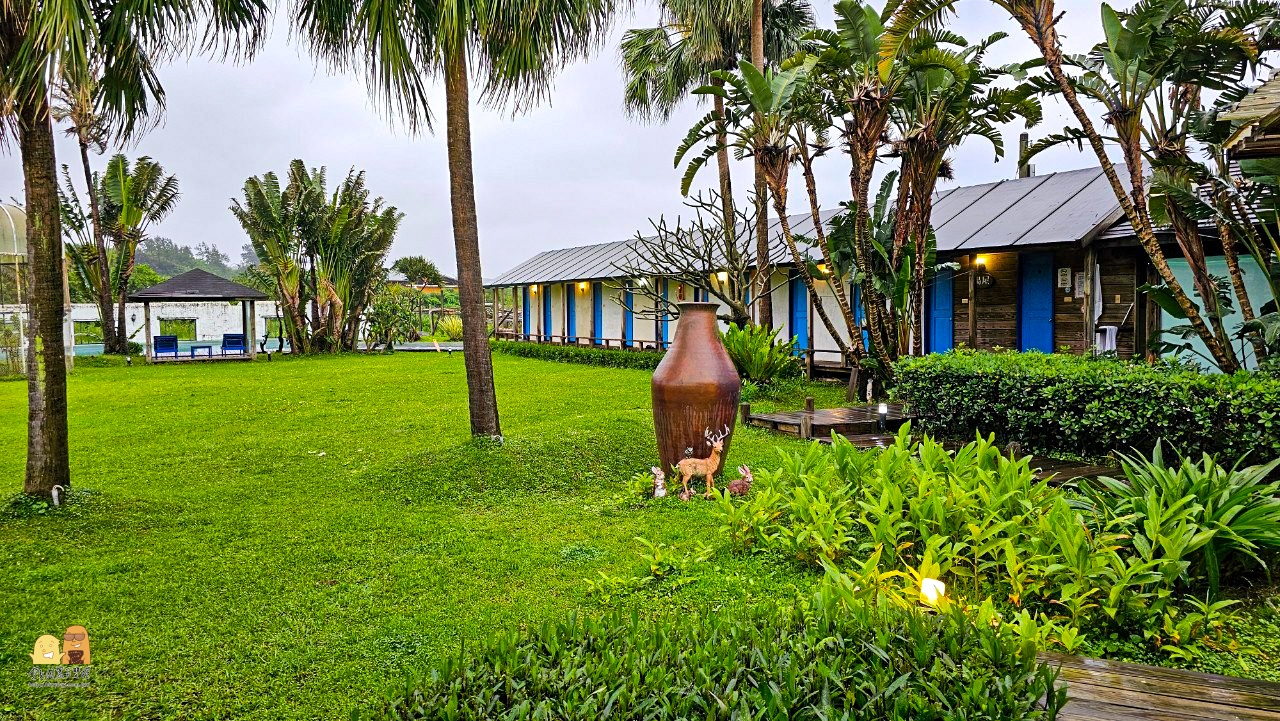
x=1038, y=20
x=726, y=179
x=47, y=455
x=482, y=399
x=110, y=339
x=129, y=248
x=1237, y=283
x=764, y=294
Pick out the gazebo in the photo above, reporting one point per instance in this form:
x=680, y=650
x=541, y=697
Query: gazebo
x=196, y=286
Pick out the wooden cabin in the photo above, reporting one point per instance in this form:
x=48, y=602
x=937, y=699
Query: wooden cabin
x=1044, y=263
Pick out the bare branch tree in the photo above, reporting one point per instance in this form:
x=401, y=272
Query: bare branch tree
x=702, y=253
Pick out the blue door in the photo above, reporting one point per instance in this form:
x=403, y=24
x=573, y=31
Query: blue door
x=940, y=307
x=546, y=312
x=666, y=323
x=1035, y=302
x=628, y=317
x=571, y=300
x=528, y=310
x=597, y=312
x=799, y=312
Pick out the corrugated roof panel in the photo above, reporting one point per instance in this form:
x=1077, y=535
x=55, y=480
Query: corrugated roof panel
x=955, y=202
x=1034, y=208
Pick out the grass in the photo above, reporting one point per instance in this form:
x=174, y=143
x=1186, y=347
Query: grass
x=287, y=539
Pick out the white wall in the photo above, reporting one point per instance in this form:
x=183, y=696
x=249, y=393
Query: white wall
x=213, y=318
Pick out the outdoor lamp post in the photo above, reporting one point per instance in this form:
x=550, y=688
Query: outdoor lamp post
x=883, y=410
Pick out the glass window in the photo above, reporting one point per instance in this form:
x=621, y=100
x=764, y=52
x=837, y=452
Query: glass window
x=88, y=331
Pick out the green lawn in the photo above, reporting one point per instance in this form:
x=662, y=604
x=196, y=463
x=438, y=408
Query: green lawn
x=287, y=539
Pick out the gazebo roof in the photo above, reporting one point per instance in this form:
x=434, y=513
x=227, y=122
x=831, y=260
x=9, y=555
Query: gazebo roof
x=196, y=285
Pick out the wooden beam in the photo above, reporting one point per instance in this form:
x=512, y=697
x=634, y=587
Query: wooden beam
x=253, y=330
x=146, y=321
x=973, y=302
x=1090, y=275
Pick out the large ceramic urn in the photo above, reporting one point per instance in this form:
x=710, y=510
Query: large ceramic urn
x=695, y=389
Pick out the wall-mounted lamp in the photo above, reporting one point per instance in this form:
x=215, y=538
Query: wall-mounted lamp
x=133, y=318
x=822, y=268
x=582, y=285
x=534, y=290
x=722, y=276
x=981, y=278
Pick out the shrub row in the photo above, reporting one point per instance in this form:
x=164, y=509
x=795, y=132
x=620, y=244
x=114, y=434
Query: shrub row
x=817, y=663
x=642, y=360
x=1091, y=407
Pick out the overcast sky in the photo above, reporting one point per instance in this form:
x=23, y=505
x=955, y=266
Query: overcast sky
x=572, y=172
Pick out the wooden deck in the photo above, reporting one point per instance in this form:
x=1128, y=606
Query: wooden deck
x=848, y=421
x=861, y=426
x=1113, y=691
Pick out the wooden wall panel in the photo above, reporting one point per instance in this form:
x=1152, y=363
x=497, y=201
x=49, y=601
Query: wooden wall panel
x=997, y=304
x=1068, y=314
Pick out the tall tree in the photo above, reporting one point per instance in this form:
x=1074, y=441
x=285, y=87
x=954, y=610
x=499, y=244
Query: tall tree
x=418, y=269
x=76, y=103
x=1149, y=76
x=40, y=41
x=136, y=196
x=516, y=46
x=695, y=38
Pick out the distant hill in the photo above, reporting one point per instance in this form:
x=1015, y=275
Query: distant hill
x=168, y=258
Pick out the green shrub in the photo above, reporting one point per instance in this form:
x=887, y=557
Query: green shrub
x=450, y=327
x=1091, y=407
x=798, y=663
x=758, y=355
x=642, y=360
x=1227, y=516
x=880, y=521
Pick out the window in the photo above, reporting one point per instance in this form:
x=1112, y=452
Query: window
x=184, y=328
x=275, y=327
x=88, y=331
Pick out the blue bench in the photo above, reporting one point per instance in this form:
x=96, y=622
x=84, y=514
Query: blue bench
x=233, y=342
x=166, y=344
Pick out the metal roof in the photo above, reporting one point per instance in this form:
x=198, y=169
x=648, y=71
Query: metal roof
x=1072, y=206
x=195, y=285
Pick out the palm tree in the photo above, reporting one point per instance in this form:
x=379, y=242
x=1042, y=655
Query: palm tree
x=1149, y=75
x=949, y=96
x=76, y=101
x=135, y=198
x=517, y=46
x=662, y=64
x=39, y=42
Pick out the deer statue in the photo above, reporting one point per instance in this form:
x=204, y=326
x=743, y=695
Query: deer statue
x=690, y=468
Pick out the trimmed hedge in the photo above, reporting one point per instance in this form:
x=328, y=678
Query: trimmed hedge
x=849, y=662
x=1090, y=406
x=642, y=360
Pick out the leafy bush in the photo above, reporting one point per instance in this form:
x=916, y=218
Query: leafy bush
x=1133, y=565
x=758, y=355
x=799, y=663
x=642, y=360
x=450, y=327
x=1226, y=515
x=1090, y=407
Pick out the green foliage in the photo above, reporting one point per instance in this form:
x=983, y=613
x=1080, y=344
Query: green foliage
x=1091, y=407
x=1228, y=515
x=758, y=354
x=1133, y=564
x=391, y=318
x=450, y=327
x=169, y=258
x=417, y=269
x=810, y=662
x=642, y=360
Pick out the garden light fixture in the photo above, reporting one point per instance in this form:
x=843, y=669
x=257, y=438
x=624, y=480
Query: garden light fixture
x=932, y=590
x=883, y=410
